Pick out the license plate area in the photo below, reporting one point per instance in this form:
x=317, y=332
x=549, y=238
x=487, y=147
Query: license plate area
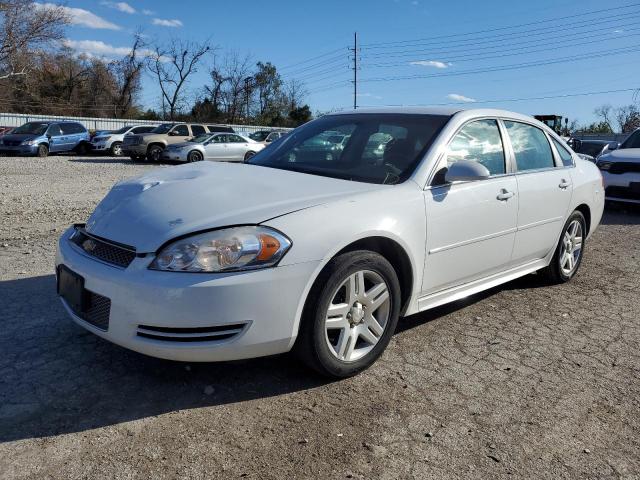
x=71, y=288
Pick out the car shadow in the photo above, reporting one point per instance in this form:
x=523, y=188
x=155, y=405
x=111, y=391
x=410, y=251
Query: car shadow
x=56, y=377
x=121, y=160
x=621, y=214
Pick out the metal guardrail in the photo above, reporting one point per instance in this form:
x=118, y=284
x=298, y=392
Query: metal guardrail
x=91, y=123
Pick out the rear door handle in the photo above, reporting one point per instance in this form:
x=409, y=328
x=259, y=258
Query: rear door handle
x=505, y=195
x=564, y=184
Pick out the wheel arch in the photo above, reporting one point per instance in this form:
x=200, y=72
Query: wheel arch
x=156, y=144
x=586, y=212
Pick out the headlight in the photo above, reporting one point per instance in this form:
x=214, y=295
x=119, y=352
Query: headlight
x=604, y=165
x=29, y=142
x=230, y=249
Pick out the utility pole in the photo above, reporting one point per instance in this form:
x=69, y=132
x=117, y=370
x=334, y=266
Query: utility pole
x=247, y=86
x=355, y=70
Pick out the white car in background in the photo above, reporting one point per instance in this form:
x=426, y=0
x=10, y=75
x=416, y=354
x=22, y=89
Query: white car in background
x=621, y=170
x=111, y=142
x=221, y=147
x=322, y=254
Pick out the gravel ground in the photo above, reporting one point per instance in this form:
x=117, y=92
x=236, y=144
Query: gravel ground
x=523, y=381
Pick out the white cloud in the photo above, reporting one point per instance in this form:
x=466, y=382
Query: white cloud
x=460, y=98
x=82, y=17
x=122, y=6
x=167, y=23
x=369, y=95
x=146, y=11
x=431, y=63
x=97, y=48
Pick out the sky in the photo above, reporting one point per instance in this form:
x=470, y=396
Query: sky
x=411, y=52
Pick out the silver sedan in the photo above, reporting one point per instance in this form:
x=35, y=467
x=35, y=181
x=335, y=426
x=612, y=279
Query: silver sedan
x=222, y=147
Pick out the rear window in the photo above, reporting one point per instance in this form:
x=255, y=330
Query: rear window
x=565, y=155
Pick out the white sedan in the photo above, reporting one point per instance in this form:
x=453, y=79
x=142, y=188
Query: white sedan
x=320, y=253
x=221, y=147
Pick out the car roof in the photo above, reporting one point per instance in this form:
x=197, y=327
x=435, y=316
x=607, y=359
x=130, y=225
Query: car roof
x=443, y=110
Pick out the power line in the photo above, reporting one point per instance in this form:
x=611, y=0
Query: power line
x=312, y=59
x=496, y=29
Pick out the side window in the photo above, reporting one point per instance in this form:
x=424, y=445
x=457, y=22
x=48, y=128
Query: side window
x=181, y=130
x=66, y=128
x=197, y=130
x=530, y=146
x=220, y=139
x=54, y=130
x=565, y=155
x=142, y=130
x=479, y=141
x=236, y=139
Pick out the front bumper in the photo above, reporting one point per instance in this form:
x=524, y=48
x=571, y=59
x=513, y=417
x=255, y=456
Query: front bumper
x=619, y=188
x=19, y=149
x=266, y=302
x=100, y=146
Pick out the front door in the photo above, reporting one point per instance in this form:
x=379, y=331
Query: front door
x=471, y=226
x=236, y=148
x=545, y=189
x=56, y=139
x=216, y=148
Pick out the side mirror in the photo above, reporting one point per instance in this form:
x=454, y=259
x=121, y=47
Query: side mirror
x=466, y=171
x=613, y=146
x=173, y=133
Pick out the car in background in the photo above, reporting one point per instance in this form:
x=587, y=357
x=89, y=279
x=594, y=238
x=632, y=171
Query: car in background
x=5, y=130
x=111, y=141
x=294, y=250
x=223, y=147
x=221, y=128
x=149, y=146
x=592, y=148
x=620, y=170
x=42, y=138
x=267, y=136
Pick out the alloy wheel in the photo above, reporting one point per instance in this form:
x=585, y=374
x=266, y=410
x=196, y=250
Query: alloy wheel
x=571, y=248
x=357, y=315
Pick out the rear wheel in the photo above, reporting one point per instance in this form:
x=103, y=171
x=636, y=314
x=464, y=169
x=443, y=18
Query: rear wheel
x=568, y=255
x=248, y=155
x=116, y=149
x=154, y=153
x=43, y=150
x=194, y=156
x=82, y=149
x=350, y=314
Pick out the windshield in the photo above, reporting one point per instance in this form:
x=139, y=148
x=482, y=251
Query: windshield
x=632, y=142
x=200, y=138
x=372, y=148
x=164, y=128
x=259, y=136
x=122, y=130
x=34, y=128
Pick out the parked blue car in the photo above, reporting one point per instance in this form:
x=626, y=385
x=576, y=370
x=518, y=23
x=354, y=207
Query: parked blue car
x=41, y=138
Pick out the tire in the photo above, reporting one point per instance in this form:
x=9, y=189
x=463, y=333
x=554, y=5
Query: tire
x=564, y=265
x=43, y=150
x=116, y=149
x=154, y=153
x=353, y=344
x=248, y=155
x=194, y=156
x=82, y=149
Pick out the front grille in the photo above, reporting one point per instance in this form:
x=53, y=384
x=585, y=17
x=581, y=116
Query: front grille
x=96, y=311
x=12, y=143
x=618, y=168
x=622, y=192
x=108, y=252
x=196, y=334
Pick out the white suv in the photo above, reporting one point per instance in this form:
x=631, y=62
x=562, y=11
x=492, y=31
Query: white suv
x=111, y=142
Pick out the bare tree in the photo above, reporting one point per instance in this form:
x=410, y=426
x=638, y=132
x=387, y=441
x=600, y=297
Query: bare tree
x=128, y=77
x=628, y=118
x=604, y=112
x=25, y=27
x=171, y=66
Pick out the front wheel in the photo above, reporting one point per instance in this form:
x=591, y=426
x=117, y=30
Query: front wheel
x=43, y=150
x=350, y=314
x=116, y=149
x=568, y=255
x=82, y=149
x=194, y=156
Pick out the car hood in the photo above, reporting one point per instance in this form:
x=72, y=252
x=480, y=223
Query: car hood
x=147, y=211
x=622, y=155
x=20, y=136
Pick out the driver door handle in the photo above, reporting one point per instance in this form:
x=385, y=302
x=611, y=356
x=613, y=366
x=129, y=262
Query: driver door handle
x=505, y=195
x=564, y=184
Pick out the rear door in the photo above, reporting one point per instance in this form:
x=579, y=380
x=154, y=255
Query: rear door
x=236, y=148
x=545, y=188
x=470, y=225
